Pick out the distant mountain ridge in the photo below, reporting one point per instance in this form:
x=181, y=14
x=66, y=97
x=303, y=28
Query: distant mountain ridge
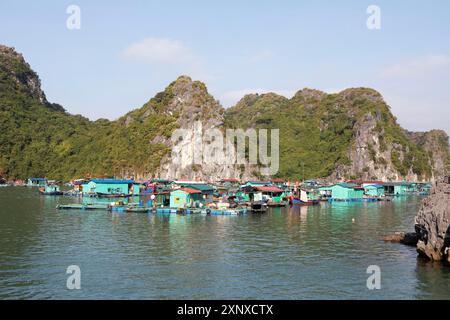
x=349, y=135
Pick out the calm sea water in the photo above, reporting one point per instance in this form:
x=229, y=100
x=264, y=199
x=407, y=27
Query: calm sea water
x=304, y=253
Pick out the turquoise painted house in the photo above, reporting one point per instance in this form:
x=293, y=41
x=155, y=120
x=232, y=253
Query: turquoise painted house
x=396, y=188
x=185, y=197
x=374, y=190
x=112, y=187
x=344, y=191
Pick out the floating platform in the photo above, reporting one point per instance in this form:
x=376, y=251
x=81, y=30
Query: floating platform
x=277, y=204
x=77, y=206
x=225, y=212
x=355, y=200
x=138, y=209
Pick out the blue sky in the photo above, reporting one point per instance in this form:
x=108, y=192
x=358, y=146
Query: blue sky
x=127, y=51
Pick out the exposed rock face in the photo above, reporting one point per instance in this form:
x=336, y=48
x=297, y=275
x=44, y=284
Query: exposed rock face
x=435, y=143
x=197, y=112
x=432, y=223
x=20, y=71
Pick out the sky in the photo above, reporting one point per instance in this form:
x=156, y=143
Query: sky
x=124, y=52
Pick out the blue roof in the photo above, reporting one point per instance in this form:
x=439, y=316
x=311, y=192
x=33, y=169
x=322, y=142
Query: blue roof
x=113, y=181
x=38, y=179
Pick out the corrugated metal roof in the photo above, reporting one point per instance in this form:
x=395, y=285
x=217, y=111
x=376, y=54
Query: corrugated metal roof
x=190, y=190
x=268, y=189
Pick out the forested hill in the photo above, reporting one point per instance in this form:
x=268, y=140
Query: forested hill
x=352, y=134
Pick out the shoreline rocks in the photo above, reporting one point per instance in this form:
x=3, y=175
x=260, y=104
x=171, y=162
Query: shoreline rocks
x=409, y=239
x=432, y=223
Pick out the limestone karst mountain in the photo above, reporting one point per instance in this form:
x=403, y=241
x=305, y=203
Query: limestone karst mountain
x=352, y=134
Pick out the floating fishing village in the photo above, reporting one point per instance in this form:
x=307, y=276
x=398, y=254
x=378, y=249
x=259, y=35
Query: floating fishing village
x=224, y=197
x=249, y=152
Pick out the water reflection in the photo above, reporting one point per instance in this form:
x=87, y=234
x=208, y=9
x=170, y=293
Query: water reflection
x=314, y=252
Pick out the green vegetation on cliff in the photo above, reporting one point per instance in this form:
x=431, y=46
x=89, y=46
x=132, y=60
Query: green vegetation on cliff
x=317, y=130
x=320, y=134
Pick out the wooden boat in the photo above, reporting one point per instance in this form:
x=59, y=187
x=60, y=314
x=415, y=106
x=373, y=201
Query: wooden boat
x=224, y=212
x=50, y=190
x=51, y=193
x=258, y=207
x=295, y=201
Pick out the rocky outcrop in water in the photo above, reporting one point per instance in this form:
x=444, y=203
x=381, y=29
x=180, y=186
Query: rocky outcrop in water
x=409, y=239
x=432, y=223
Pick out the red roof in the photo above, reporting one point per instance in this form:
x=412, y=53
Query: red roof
x=268, y=189
x=189, y=190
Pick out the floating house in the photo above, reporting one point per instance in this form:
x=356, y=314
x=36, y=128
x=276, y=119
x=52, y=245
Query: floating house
x=51, y=190
x=261, y=193
x=204, y=188
x=207, y=191
x=270, y=193
x=36, y=182
x=373, y=190
x=308, y=195
x=258, y=183
x=343, y=191
x=162, y=198
x=225, y=185
x=112, y=187
x=396, y=188
x=185, y=197
x=423, y=187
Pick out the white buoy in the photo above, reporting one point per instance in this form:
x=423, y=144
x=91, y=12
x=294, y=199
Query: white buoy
x=353, y=220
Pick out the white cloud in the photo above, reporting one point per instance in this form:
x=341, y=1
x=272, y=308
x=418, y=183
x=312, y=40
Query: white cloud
x=230, y=98
x=159, y=50
x=169, y=56
x=419, y=67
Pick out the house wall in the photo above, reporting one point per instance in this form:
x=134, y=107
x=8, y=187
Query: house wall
x=106, y=188
x=339, y=192
x=179, y=199
x=400, y=189
x=374, y=192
